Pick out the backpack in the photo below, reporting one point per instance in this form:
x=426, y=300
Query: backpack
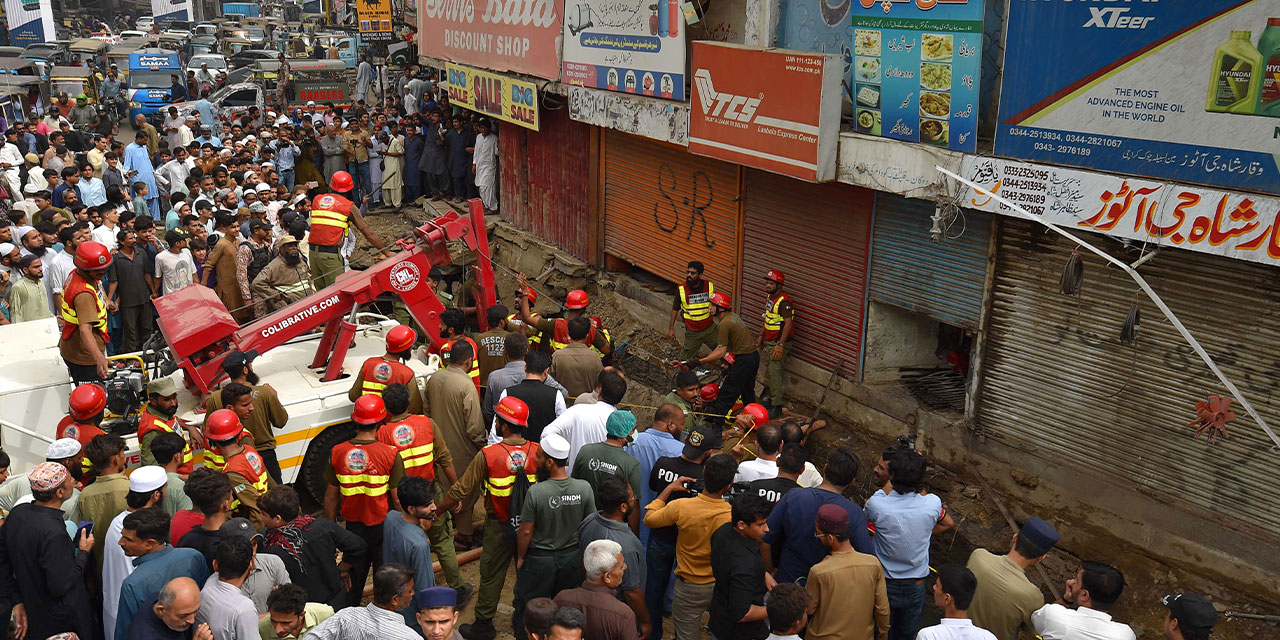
x=261, y=257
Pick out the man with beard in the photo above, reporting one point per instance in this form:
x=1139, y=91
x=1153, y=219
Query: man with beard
x=159, y=417
x=693, y=304
x=27, y=301
x=32, y=242
x=84, y=338
x=286, y=279
x=267, y=410
x=130, y=289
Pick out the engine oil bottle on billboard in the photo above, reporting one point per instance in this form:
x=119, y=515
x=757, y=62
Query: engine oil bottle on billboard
x=1269, y=91
x=1237, y=75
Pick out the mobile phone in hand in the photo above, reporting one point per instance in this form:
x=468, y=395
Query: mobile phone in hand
x=85, y=529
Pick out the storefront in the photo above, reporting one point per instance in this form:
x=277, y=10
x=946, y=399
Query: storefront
x=818, y=236
x=1059, y=385
x=545, y=181
x=664, y=207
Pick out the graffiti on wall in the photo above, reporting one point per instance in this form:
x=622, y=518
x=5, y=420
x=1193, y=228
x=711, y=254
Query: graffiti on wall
x=647, y=117
x=670, y=211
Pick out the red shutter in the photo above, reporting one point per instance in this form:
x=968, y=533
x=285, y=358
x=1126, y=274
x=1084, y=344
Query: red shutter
x=545, y=181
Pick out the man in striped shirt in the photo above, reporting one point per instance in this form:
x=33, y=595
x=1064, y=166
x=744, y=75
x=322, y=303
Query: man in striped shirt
x=393, y=590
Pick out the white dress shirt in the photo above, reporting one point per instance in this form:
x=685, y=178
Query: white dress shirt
x=107, y=236
x=1056, y=622
x=581, y=425
x=757, y=469
x=116, y=566
x=955, y=629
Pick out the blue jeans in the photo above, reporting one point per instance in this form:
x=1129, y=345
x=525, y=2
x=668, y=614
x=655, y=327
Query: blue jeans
x=286, y=179
x=364, y=183
x=659, y=558
x=906, y=603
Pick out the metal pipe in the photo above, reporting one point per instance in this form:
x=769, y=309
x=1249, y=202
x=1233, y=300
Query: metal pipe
x=23, y=430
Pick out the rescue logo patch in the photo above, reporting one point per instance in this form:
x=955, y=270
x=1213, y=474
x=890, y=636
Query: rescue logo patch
x=357, y=460
x=403, y=435
x=382, y=372
x=72, y=432
x=516, y=460
x=254, y=461
x=405, y=276
x=326, y=202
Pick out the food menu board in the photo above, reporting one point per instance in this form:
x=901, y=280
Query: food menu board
x=916, y=70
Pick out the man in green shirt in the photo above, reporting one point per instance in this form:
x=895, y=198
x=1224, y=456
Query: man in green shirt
x=599, y=460
x=101, y=501
x=547, y=556
x=167, y=449
x=737, y=347
x=289, y=615
x=1005, y=598
x=685, y=395
x=27, y=299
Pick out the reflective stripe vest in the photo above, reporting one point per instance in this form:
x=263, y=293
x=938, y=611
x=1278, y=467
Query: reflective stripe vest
x=213, y=457
x=83, y=433
x=514, y=320
x=560, y=335
x=772, y=319
x=414, y=438
x=504, y=462
x=330, y=215
x=247, y=463
x=77, y=285
x=695, y=307
x=474, y=373
x=151, y=422
x=364, y=477
x=376, y=374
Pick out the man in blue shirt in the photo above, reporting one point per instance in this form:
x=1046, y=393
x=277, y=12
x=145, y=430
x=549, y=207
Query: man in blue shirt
x=286, y=154
x=138, y=168
x=204, y=108
x=791, y=522
x=405, y=541
x=207, y=138
x=904, y=519
x=146, y=539
x=662, y=440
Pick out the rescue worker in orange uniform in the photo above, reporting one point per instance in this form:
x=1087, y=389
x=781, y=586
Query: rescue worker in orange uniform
x=693, y=304
x=378, y=372
x=239, y=399
x=331, y=216
x=775, y=336
x=362, y=476
x=245, y=468
x=87, y=405
x=159, y=417
x=498, y=469
x=453, y=324
x=82, y=315
x=555, y=332
x=425, y=456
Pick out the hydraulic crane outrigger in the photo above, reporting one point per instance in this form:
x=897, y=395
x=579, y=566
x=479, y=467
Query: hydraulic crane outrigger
x=201, y=331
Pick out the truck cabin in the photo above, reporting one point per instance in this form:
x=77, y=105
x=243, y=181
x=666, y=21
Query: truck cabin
x=318, y=80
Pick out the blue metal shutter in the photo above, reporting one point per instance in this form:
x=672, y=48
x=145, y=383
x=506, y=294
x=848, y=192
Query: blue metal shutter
x=943, y=280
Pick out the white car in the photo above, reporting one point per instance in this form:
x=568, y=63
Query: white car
x=206, y=29
x=144, y=23
x=217, y=62
x=132, y=33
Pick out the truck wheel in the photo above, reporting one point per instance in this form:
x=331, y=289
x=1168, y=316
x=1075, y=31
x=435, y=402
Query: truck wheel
x=311, y=476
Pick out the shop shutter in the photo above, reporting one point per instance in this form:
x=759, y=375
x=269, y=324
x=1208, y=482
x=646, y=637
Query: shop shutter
x=817, y=234
x=544, y=181
x=1059, y=386
x=943, y=280
x=664, y=207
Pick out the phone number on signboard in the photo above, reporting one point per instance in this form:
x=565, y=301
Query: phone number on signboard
x=1063, y=148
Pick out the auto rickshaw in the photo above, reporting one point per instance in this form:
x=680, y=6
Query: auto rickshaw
x=20, y=95
x=11, y=52
x=118, y=57
x=87, y=49
x=201, y=44
x=52, y=52
x=73, y=81
x=232, y=46
x=172, y=42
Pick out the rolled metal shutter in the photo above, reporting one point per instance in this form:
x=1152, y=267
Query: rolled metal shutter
x=818, y=235
x=664, y=207
x=1058, y=384
x=545, y=181
x=943, y=280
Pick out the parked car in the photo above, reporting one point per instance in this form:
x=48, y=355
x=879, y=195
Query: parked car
x=144, y=23
x=247, y=57
x=216, y=62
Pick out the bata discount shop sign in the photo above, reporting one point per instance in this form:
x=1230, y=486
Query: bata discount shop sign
x=772, y=109
x=503, y=35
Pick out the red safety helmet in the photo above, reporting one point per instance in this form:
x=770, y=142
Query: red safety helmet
x=513, y=410
x=222, y=425
x=401, y=338
x=369, y=410
x=92, y=256
x=709, y=392
x=87, y=401
x=341, y=181
x=532, y=295
x=577, y=300
x=721, y=300
x=775, y=276
x=757, y=412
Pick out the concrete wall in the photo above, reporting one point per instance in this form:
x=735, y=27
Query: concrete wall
x=897, y=338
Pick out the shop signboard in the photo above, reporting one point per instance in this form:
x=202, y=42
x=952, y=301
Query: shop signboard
x=916, y=70
x=632, y=46
x=1149, y=213
x=166, y=11
x=374, y=19
x=503, y=35
x=493, y=95
x=30, y=21
x=1185, y=91
x=772, y=109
